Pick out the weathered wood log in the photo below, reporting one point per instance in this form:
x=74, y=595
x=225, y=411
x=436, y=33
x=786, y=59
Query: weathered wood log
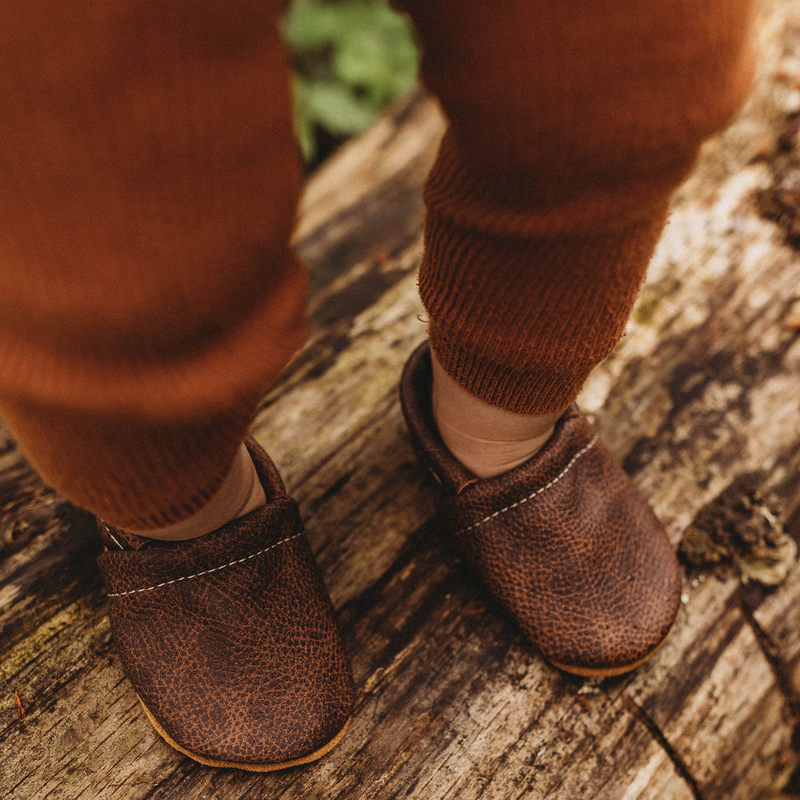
x=452, y=702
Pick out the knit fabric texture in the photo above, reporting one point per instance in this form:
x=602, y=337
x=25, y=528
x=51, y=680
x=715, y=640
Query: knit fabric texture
x=571, y=125
x=149, y=180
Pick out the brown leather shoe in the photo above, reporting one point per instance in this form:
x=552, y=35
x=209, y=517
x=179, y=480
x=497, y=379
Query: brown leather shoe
x=230, y=639
x=564, y=541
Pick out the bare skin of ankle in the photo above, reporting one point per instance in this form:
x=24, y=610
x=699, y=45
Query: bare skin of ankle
x=487, y=440
x=241, y=492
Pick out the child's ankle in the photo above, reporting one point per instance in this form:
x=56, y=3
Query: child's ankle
x=241, y=492
x=487, y=440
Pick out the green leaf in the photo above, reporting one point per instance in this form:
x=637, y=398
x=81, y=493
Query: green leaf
x=336, y=108
x=353, y=57
x=309, y=25
x=381, y=59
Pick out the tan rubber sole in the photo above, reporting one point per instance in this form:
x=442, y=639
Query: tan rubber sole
x=210, y=762
x=604, y=672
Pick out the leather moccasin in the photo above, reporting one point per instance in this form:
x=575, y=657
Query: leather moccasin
x=564, y=541
x=230, y=639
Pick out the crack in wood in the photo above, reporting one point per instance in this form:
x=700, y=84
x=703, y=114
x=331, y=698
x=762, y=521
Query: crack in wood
x=771, y=653
x=680, y=765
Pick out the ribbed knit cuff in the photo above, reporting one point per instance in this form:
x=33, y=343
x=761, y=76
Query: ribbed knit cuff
x=145, y=446
x=521, y=322
x=523, y=391
x=134, y=474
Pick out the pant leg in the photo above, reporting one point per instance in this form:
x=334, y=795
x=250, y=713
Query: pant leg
x=148, y=184
x=570, y=126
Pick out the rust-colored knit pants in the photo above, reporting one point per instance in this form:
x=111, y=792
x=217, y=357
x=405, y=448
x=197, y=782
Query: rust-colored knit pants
x=148, y=180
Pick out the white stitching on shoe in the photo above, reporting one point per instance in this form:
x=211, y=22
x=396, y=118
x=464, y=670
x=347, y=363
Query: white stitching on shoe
x=113, y=538
x=207, y=571
x=538, y=491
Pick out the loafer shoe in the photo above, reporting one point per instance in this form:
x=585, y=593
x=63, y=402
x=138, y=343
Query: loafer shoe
x=230, y=639
x=564, y=541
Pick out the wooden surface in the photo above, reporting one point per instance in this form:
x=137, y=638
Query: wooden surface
x=452, y=702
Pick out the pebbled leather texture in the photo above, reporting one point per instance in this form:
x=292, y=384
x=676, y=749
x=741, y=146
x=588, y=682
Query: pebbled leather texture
x=230, y=639
x=564, y=541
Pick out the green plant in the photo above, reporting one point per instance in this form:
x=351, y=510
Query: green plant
x=351, y=57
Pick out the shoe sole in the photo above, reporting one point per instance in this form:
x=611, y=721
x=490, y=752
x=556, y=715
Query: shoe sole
x=604, y=672
x=210, y=762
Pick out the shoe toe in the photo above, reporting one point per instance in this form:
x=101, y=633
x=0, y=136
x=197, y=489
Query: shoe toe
x=564, y=541
x=231, y=642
